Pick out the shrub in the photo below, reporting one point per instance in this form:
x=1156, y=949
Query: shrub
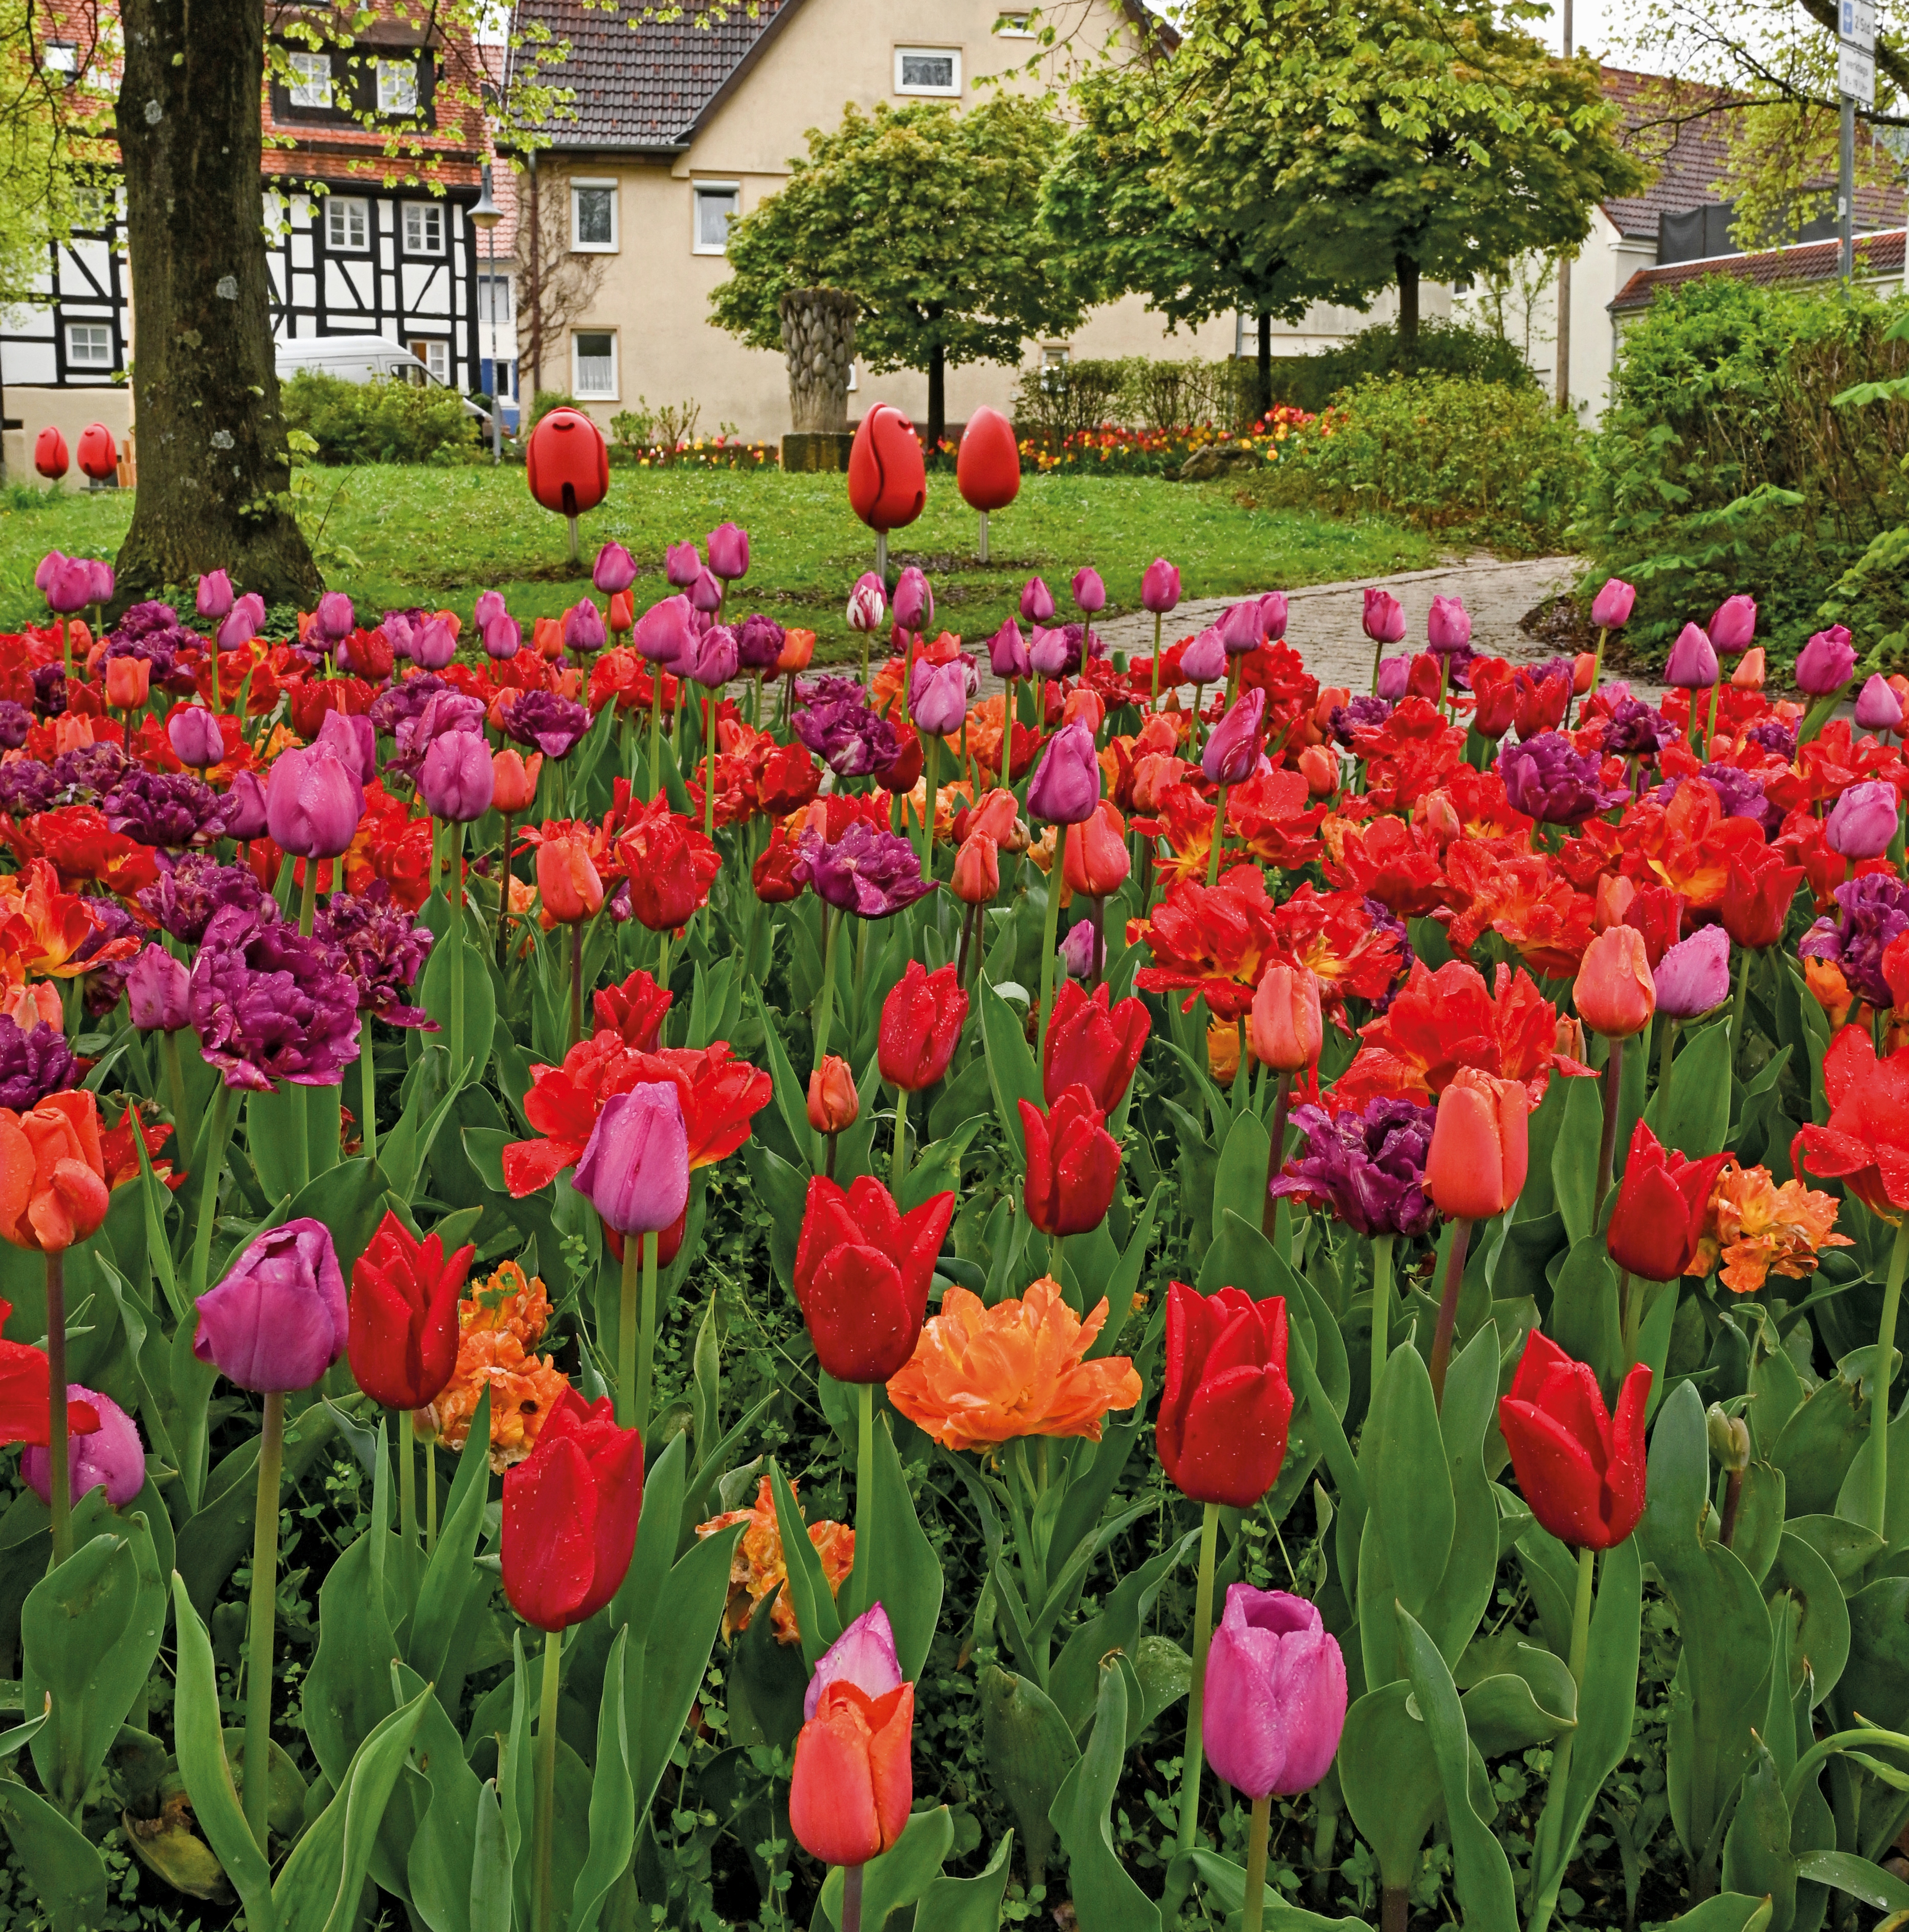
x=545, y=401
x=380, y=421
x=1445, y=349
x=1725, y=463
x=1453, y=454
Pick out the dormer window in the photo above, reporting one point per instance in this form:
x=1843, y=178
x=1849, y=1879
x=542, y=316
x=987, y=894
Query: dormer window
x=397, y=87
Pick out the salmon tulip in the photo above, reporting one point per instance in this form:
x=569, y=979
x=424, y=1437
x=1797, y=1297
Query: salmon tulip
x=1615, y=994
x=1480, y=1147
x=52, y=1173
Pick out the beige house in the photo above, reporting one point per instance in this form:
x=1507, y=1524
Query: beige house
x=680, y=126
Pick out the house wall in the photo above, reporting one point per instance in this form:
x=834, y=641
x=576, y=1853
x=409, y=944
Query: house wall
x=69, y=410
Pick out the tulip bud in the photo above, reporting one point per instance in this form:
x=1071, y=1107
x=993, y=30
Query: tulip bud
x=914, y=601
x=1160, y=586
x=1284, y=1028
x=1065, y=787
x=1480, y=1146
x=1862, y=821
x=245, y=815
x=1827, y=663
x=1395, y=672
x=1239, y=627
x=937, y=693
x=352, y=740
x=1748, y=675
x=1080, y=957
x=1877, y=707
x=456, y=781
x=583, y=627
x=977, y=879
x=1232, y=751
x=1584, y=671
x=1274, y=1700
x=215, y=595
x=513, y=780
x=1095, y=861
x=798, y=649
x=110, y=1456
x=1203, y=661
x=242, y=622
x=1273, y=615
x=1610, y=608
x=921, y=1026
x=501, y=636
x=1693, y=663
x=1384, y=617
x=665, y=633
x=706, y=593
x=729, y=551
x=127, y=682
x=615, y=570
x=1614, y=992
x=158, y=990
x=635, y=1165
x=1729, y=1438
x=1084, y=706
x=334, y=617
x=193, y=732
x=868, y=604
x=852, y=1783
x=834, y=1105
x=1090, y=592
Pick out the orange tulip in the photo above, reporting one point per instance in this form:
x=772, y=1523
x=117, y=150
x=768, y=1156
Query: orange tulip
x=513, y=780
x=1748, y=675
x=834, y=1105
x=798, y=649
x=27, y=1005
x=1284, y=1029
x=1321, y=770
x=52, y=1173
x=567, y=879
x=1584, y=669
x=1084, y=706
x=1096, y=862
x=1615, y=995
x=127, y=682
x=977, y=870
x=996, y=815
x=1480, y=1147
x=622, y=616
x=852, y=1784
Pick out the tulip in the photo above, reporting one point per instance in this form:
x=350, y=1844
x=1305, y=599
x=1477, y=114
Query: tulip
x=1073, y=1164
x=1580, y=1468
x=214, y=596
x=1393, y=675
x=45, y=571
x=1231, y=754
x=109, y=1455
x=868, y=604
x=834, y=1106
x=157, y=992
x=977, y=879
x=1273, y=615
x=242, y=622
x=490, y=604
x=1614, y=993
x=278, y=1320
x=1065, y=787
x=798, y=649
x=937, y=694
x=666, y=632
x=1610, y=608
x=245, y=815
x=502, y=636
x=1321, y=770
x=713, y=662
x=1093, y=1044
x=1476, y=1167
x=705, y=594
x=862, y=1274
x=353, y=739
x=1583, y=674
x=52, y=1173
x=1037, y=602
x=615, y=570
x=101, y=578
x=1384, y=617
x=334, y=618
x=1090, y=592
x=1757, y=898
x=1863, y=822
x=1663, y=1203
x=1048, y=653
x=1007, y=653
x=312, y=803
x=864, y=1655
x=571, y=1512
x=1275, y=1696
x=914, y=601
x=193, y=732
x=583, y=627
x=1693, y=663
x=682, y=564
x=921, y=1021
x=401, y=1333
x=1239, y=627
x=1203, y=661
x=635, y=1165
x=1693, y=976
x=1094, y=860
x=127, y=682
x=729, y=552
x=1224, y=1412
x=1082, y=953
x=1448, y=628
x=69, y=586
x=1877, y=707
x=513, y=780
x=1827, y=663
x=1160, y=587
x=457, y=781
x=852, y=1783
x=1734, y=624
x=567, y=879
x=1284, y=1028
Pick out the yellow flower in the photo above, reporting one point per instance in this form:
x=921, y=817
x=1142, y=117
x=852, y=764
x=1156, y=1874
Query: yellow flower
x=1758, y=1229
x=757, y=1568
x=981, y=1376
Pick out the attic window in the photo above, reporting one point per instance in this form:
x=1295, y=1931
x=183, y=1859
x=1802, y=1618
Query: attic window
x=62, y=57
x=928, y=71
x=1018, y=26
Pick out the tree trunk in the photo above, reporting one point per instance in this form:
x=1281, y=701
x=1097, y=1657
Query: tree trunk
x=214, y=469
x=1408, y=312
x=937, y=397
x=1264, y=391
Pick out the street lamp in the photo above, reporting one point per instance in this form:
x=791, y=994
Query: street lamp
x=486, y=215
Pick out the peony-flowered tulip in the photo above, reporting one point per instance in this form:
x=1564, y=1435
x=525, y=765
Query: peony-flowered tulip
x=1863, y=822
x=402, y=1334
x=1160, y=587
x=1226, y=1407
x=861, y=1275
x=921, y=1021
x=1663, y=1203
x=1093, y=1042
x=1611, y=608
x=1073, y=1164
x=1615, y=993
x=834, y=1106
x=1275, y=1701
x=1827, y=663
x=279, y=1319
x=1579, y=1468
x=1864, y=1144
x=52, y=1173
x=1480, y=1146
x=635, y=1167
x=109, y=1457
x=1284, y=1028
x=158, y=990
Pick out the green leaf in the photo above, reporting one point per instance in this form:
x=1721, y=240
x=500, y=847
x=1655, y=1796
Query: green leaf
x=61, y=1865
x=441, y=1859
x=435, y=996
x=1818, y=1613
x=784, y=1190
x=612, y=1799
x=809, y=1594
x=1389, y=1778
x=1407, y=1481
x=1240, y=1181
x=968, y=1904
x=1226, y=1883
x=349, y=1200
x=1728, y=1912
x=1845, y=1872
x=1104, y=1895
x=1575, y=1158
x=402, y=1153
x=904, y=1574
x=688, y=1615
x=1756, y=1850
x=1073, y=1682
x=1691, y=1112
x=449, y=1575
x=1583, y=1320
x=900, y=1875
x=1030, y=1751
x=1011, y=1072
x=791, y=1095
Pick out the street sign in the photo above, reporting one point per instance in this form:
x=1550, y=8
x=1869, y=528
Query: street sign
x=1858, y=24
x=1855, y=73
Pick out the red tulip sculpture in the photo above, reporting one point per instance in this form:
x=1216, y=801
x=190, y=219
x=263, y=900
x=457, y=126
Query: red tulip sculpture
x=888, y=484
x=987, y=470
x=567, y=465
x=49, y=454
x=99, y=454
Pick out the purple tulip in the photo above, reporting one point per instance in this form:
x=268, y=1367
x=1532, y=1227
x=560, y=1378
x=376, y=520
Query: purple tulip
x=112, y=1456
x=242, y=622
x=334, y=617
x=1007, y=653
x=615, y=570
x=456, y=780
x=1734, y=624
x=278, y=1320
x=583, y=627
x=1827, y=663
x=1275, y=1694
x=215, y=596
x=1232, y=751
x=352, y=741
x=864, y=1655
x=1862, y=821
x=1877, y=707
x=1548, y=779
x=69, y=586
x=1160, y=586
x=1384, y=618
x=313, y=801
x=635, y=1166
x=851, y=738
x=100, y=580
x=383, y=950
x=1065, y=787
x=706, y=593
x=1635, y=730
x=1239, y=627
x=15, y=721
x=47, y=569
x=1395, y=673
x=938, y=696
x=682, y=564
x=1203, y=661
x=869, y=873
x=1273, y=614
x=867, y=603
x=158, y=990
x=1079, y=958
x=490, y=605
x=245, y=814
x=1037, y=602
x=1693, y=976
x=400, y=632
x=502, y=636
x=545, y=722
x=729, y=552
x=1368, y=1165
x=715, y=659
x=1872, y=913
x=914, y=601
x=758, y=643
x=666, y=632
x=1048, y=656
x=1090, y=592
x=193, y=734
x=1448, y=628
x=1610, y=608
x=1693, y=662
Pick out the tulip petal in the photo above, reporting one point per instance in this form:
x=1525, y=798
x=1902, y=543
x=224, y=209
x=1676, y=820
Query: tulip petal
x=549, y=1533
x=1234, y=1440
x=858, y=1316
x=832, y=1807
x=1556, y=1476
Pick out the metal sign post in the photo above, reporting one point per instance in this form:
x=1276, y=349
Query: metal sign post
x=1856, y=81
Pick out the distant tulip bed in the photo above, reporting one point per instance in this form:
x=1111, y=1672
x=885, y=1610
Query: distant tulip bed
x=1115, y=451
x=676, y=1293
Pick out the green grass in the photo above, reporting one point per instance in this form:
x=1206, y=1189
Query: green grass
x=436, y=537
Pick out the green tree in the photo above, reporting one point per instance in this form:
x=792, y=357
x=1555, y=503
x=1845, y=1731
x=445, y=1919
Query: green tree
x=1388, y=142
x=929, y=218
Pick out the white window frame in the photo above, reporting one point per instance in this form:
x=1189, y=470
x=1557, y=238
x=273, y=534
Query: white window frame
x=402, y=76
x=614, y=393
x=436, y=358
x=1016, y=25
x=488, y=286
x=343, y=212
x=311, y=78
x=578, y=246
x=710, y=190
x=952, y=92
x=62, y=57
x=74, y=360
x=428, y=215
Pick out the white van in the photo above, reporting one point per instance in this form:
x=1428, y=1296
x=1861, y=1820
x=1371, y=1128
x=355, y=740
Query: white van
x=362, y=359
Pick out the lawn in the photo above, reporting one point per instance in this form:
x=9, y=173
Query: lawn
x=436, y=537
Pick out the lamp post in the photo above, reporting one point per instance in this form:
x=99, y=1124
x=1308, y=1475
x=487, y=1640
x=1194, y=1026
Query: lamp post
x=486, y=215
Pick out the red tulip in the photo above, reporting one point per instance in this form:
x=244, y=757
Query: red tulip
x=1662, y=1204
x=977, y=870
x=1093, y=1044
x=852, y=1784
x=670, y=865
x=403, y=1339
x=862, y=1271
x=1865, y=1144
x=921, y=1021
x=25, y=1413
x=1073, y=1163
x=633, y=1011
x=567, y=880
x=1224, y=1414
x=1756, y=900
x=1480, y=1145
x=1580, y=1468
x=570, y=1514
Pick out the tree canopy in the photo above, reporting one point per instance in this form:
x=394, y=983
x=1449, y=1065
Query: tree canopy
x=929, y=218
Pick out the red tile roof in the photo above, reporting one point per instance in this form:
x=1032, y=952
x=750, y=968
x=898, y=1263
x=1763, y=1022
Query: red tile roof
x=1878, y=255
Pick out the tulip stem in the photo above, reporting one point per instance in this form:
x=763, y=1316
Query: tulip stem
x=429, y=1448
x=825, y=999
x=645, y=1324
x=932, y=781
x=577, y=984
x=1738, y=1004
x=1879, y=1385
x=59, y=1470
x=224, y=1108
x=1276, y=1159
x=1256, y=1851
x=1629, y=1306
x=1666, y=1045
x=308, y=900
x=264, y=1606
x=1448, y=1308
x=1613, y=1079
x=1158, y=619
x=407, y=1476
x=899, y=1166
x=1710, y=730
x=1203, y=1635
x=368, y=1089
x=852, y=1898
x=1597, y=663
x=864, y=1495
x=457, y=896
x=1219, y=839
x=1381, y=1311
x=655, y=728
x=546, y=1778
x=1549, y=1856
x=1050, y=941
x=175, y=1082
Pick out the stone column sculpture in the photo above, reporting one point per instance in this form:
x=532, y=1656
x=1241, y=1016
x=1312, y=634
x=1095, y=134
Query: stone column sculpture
x=818, y=338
